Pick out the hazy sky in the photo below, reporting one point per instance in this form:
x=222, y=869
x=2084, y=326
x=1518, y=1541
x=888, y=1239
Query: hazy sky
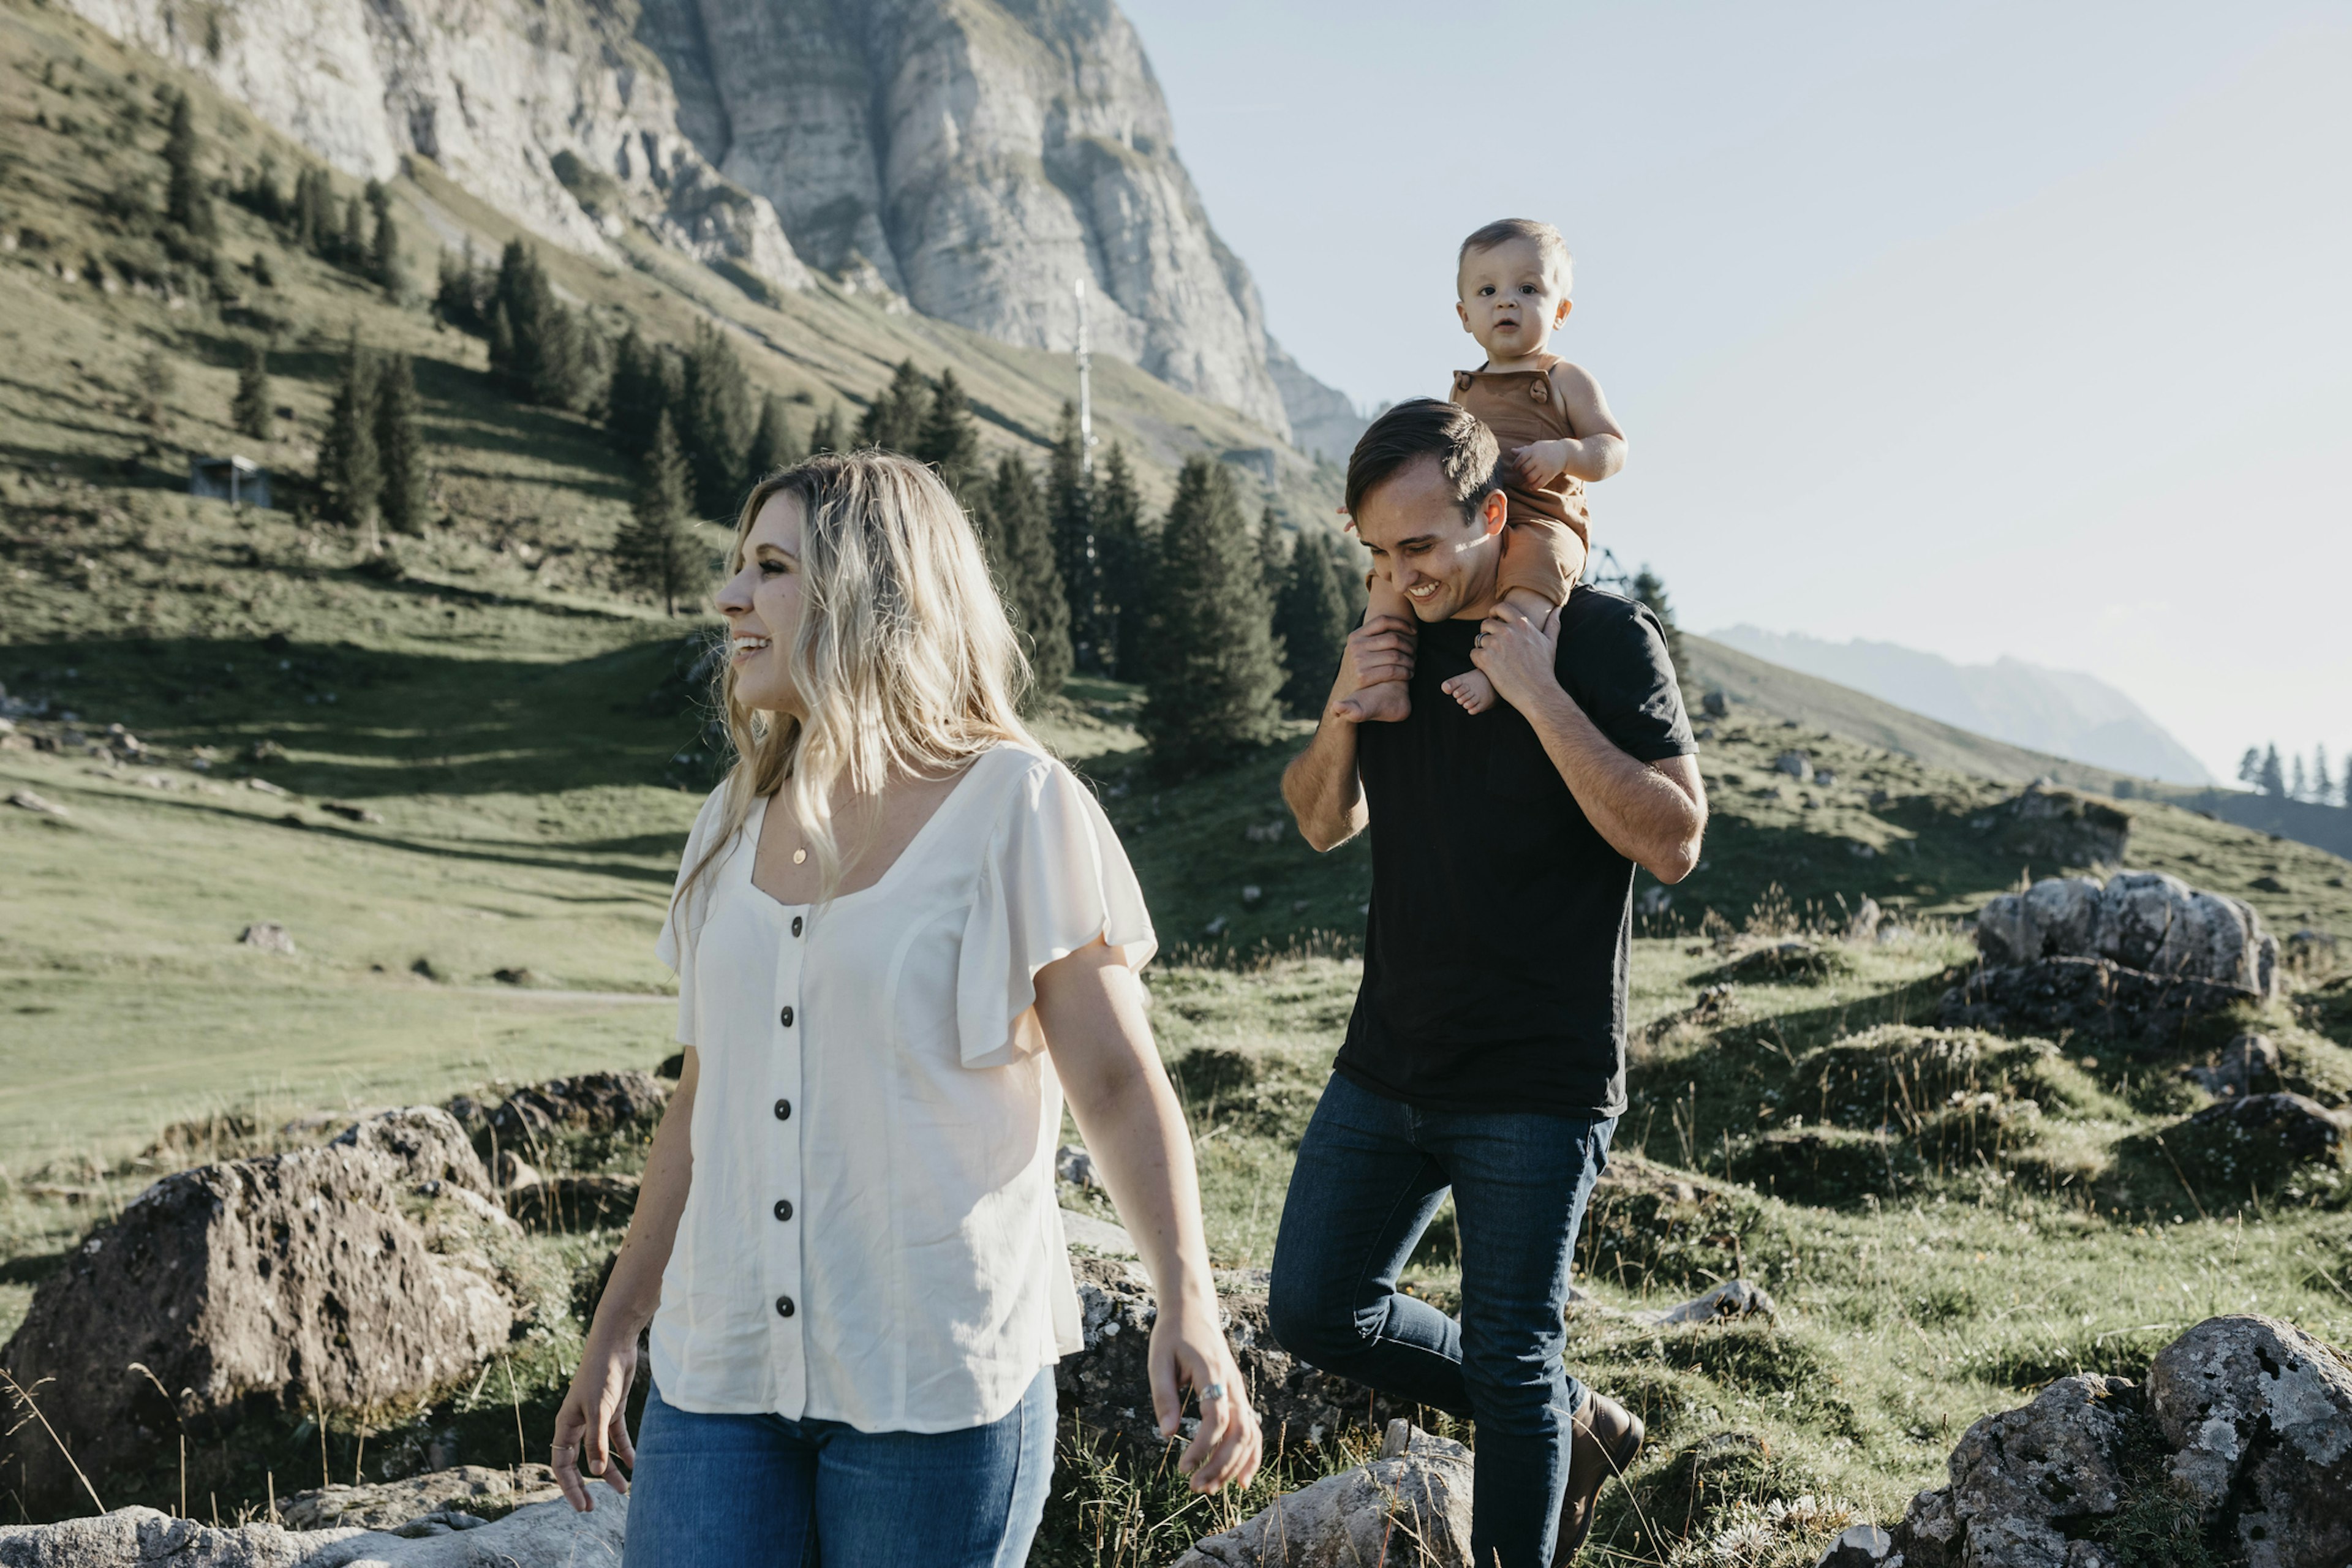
x=1986, y=328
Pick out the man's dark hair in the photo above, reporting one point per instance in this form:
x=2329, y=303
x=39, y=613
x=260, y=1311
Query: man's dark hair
x=1425, y=427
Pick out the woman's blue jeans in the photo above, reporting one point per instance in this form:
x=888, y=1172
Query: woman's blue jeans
x=1370, y=1174
x=760, y=1492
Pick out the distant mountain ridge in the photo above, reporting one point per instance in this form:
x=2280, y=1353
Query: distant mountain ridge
x=2062, y=712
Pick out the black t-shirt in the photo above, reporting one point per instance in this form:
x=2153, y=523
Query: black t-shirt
x=1501, y=920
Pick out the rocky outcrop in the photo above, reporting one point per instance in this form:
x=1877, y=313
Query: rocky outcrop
x=1323, y=421
x=2260, y=1416
x=2024, y=1481
x=2249, y=1064
x=2145, y=921
x=2242, y=1435
x=1410, y=1505
x=2059, y=828
x=551, y=111
x=474, y=1490
x=979, y=157
x=2093, y=998
x=353, y=1276
x=545, y=1535
x=2258, y=1140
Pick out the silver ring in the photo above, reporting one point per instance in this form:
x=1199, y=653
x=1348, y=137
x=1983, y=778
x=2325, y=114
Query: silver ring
x=1215, y=1390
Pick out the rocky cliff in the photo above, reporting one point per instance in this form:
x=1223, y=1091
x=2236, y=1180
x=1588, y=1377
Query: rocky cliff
x=971, y=157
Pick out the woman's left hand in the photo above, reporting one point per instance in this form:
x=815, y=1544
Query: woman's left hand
x=1189, y=1350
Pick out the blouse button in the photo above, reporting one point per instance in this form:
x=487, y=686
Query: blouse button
x=784, y=1306
x=784, y=1208
x=796, y=925
x=787, y=1015
x=783, y=1110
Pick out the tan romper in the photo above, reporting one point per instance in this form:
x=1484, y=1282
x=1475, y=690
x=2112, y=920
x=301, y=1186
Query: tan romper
x=1521, y=408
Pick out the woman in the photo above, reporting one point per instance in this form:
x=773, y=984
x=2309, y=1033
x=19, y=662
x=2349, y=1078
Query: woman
x=900, y=933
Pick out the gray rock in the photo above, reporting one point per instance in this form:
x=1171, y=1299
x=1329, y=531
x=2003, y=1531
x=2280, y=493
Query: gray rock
x=268, y=936
x=1097, y=1235
x=2260, y=1139
x=544, y=1535
x=2024, y=1481
x=1073, y=1164
x=475, y=1489
x=588, y=1103
x=2144, y=920
x=2260, y=1414
x=1861, y=1546
x=1796, y=764
x=1716, y=704
x=1359, y=1516
x=1731, y=1300
x=28, y=800
x=351, y=1277
x=2249, y=1064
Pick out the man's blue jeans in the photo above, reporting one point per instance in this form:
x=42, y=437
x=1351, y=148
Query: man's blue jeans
x=1370, y=1174
x=760, y=1492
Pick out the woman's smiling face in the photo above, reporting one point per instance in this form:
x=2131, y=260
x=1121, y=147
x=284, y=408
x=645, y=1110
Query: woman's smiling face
x=763, y=604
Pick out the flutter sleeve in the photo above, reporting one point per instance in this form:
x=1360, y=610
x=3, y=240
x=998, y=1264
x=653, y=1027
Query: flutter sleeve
x=675, y=946
x=1053, y=879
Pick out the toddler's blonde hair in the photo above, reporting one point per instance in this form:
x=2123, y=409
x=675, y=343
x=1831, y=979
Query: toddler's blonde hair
x=1560, y=266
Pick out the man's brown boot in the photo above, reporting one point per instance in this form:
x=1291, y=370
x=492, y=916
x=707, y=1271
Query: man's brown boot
x=1607, y=1439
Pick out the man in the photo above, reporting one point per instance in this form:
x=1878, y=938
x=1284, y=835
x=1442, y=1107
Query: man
x=1487, y=1052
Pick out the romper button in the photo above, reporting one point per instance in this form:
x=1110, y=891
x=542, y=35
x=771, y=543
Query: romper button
x=784, y=1306
x=783, y=1110
x=784, y=1208
x=1539, y=392
x=796, y=925
x=787, y=1016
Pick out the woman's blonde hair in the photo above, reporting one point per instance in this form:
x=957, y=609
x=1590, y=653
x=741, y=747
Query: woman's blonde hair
x=904, y=661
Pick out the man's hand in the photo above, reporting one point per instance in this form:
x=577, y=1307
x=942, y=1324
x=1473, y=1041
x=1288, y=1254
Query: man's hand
x=1378, y=651
x=1536, y=463
x=1517, y=657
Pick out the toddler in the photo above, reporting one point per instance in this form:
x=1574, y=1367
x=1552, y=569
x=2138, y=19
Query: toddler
x=1555, y=429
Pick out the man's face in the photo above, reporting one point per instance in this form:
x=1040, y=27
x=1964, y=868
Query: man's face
x=1442, y=561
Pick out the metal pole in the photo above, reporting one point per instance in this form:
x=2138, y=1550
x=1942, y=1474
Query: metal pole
x=1086, y=388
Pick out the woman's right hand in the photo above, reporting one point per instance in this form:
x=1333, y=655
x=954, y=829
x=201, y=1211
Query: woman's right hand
x=595, y=1416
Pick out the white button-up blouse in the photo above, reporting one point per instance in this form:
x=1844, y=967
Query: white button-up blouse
x=871, y=1234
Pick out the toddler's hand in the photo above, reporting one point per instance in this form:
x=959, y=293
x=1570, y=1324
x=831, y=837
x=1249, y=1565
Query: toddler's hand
x=1536, y=463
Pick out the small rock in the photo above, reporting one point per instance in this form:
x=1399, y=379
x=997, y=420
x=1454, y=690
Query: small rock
x=350, y=813
x=1862, y=1546
x=1359, y=1516
x=2248, y=1065
x=1215, y=927
x=30, y=802
x=1862, y=925
x=1073, y=1164
x=268, y=936
x=266, y=787
x=424, y=967
x=524, y=977
x=1796, y=764
x=1716, y=704
x=672, y=1068
x=1731, y=1300
x=1252, y=893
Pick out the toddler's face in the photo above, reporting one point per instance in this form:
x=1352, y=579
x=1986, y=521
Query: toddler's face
x=1506, y=302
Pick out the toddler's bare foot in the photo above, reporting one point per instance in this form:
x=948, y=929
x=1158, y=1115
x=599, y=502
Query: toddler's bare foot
x=1383, y=703
x=1472, y=690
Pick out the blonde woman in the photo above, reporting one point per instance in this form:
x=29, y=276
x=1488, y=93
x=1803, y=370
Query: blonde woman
x=901, y=934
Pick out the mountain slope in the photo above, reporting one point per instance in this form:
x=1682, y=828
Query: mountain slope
x=2060, y=711
x=970, y=158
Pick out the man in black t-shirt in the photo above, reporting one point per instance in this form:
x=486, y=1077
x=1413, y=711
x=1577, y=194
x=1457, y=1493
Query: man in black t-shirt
x=1486, y=1053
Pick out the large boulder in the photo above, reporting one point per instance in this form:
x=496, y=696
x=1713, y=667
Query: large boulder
x=2024, y=1482
x=2053, y=827
x=544, y=1535
x=2260, y=1140
x=2260, y=1414
x=594, y=1103
x=2145, y=921
x=355, y=1276
x=1417, y=1492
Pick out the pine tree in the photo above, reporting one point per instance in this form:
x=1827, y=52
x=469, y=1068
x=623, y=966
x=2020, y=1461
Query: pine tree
x=351, y=250
x=400, y=446
x=894, y=421
x=2297, y=785
x=949, y=441
x=656, y=546
x=537, y=355
x=1312, y=620
x=1021, y=551
x=1070, y=506
x=2250, y=768
x=1211, y=680
x=2322, y=783
x=1650, y=590
x=1272, y=555
x=1125, y=551
x=715, y=432
x=350, y=473
x=772, y=444
x=314, y=213
x=825, y=436
x=384, y=251
x=186, y=202
x=250, y=413
x=2272, y=781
